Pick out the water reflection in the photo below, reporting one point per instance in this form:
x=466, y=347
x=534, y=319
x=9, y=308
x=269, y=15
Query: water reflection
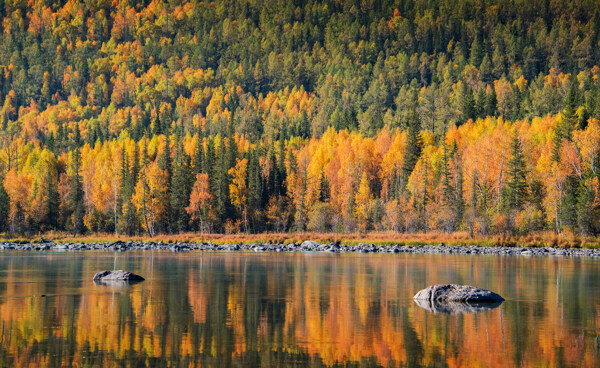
x=456, y=307
x=293, y=310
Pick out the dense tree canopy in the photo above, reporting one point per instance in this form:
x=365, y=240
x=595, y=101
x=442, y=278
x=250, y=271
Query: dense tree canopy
x=171, y=116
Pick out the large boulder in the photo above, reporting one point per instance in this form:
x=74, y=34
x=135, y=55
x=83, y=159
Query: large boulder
x=309, y=245
x=457, y=293
x=117, y=277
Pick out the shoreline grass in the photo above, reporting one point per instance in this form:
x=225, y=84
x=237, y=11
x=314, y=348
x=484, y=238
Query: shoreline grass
x=538, y=239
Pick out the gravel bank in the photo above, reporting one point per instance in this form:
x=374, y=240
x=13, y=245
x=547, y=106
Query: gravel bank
x=307, y=246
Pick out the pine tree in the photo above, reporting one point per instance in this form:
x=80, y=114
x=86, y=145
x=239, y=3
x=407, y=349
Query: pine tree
x=221, y=190
x=129, y=220
x=199, y=160
x=232, y=150
x=255, y=190
x=323, y=188
x=157, y=126
x=4, y=207
x=515, y=191
x=77, y=138
x=480, y=103
x=414, y=147
x=164, y=161
x=126, y=182
x=459, y=201
x=468, y=105
x=210, y=158
x=474, y=184
x=51, y=143
x=588, y=210
x=180, y=190
x=165, y=164
x=568, y=211
x=76, y=196
x=447, y=189
x=491, y=103
x=566, y=124
x=52, y=199
x=274, y=179
x=282, y=172
x=135, y=166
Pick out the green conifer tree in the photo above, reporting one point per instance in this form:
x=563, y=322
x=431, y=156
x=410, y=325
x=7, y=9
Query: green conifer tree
x=4, y=207
x=516, y=189
x=52, y=199
x=414, y=147
x=76, y=196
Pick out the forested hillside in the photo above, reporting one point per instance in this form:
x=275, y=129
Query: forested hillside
x=172, y=116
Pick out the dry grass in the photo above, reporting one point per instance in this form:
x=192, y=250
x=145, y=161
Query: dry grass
x=537, y=239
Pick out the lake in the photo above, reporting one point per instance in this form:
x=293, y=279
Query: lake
x=273, y=309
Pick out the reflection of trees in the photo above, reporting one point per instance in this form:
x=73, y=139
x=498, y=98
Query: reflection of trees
x=235, y=309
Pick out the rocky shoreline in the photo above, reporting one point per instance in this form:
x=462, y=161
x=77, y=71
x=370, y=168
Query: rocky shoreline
x=306, y=246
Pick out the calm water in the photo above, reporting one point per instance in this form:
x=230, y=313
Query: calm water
x=240, y=309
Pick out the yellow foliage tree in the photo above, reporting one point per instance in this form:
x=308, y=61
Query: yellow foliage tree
x=238, y=190
x=364, y=199
x=200, y=200
x=150, y=197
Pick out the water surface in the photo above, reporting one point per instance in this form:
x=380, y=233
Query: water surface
x=242, y=309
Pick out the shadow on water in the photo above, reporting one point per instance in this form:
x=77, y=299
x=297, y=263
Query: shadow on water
x=456, y=307
x=116, y=282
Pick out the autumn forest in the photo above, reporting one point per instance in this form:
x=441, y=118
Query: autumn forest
x=163, y=117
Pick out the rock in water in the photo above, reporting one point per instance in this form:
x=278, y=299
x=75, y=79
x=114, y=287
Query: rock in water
x=457, y=293
x=457, y=299
x=456, y=307
x=118, y=277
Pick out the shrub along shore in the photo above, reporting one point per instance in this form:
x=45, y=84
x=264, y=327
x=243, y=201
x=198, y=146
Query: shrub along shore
x=305, y=246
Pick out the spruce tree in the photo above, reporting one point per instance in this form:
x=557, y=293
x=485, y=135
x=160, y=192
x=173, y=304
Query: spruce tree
x=77, y=138
x=51, y=143
x=274, y=179
x=459, y=201
x=164, y=161
x=126, y=185
x=587, y=211
x=199, y=155
x=474, y=184
x=52, y=199
x=414, y=147
x=157, y=126
x=480, y=103
x=282, y=172
x=568, y=211
x=515, y=191
x=209, y=158
x=165, y=164
x=135, y=166
x=323, y=188
x=4, y=208
x=447, y=189
x=491, y=103
x=468, y=105
x=180, y=190
x=221, y=190
x=255, y=190
x=567, y=122
x=76, y=196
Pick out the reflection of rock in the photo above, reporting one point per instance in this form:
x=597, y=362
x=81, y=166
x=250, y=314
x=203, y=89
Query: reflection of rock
x=116, y=278
x=456, y=307
x=457, y=293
